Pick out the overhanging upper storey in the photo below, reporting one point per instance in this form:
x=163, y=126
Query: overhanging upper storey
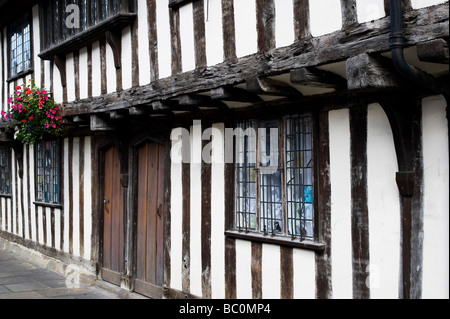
x=310, y=68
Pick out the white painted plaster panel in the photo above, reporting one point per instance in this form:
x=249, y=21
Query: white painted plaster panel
x=163, y=34
x=70, y=77
x=57, y=214
x=245, y=27
x=176, y=221
x=369, y=10
x=25, y=199
x=57, y=86
x=435, y=279
x=76, y=196
x=284, y=23
x=341, y=243
x=96, y=70
x=3, y=212
x=325, y=16
x=83, y=72
x=126, y=66
x=32, y=194
x=40, y=225
x=143, y=46
x=271, y=270
x=383, y=206
x=304, y=274
x=196, y=211
x=187, y=37
x=213, y=31
x=48, y=225
x=66, y=193
x=36, y=44
x=111, y=81
x=416, y=4
x=217, y=213
x=243, y=269
x=87, y=209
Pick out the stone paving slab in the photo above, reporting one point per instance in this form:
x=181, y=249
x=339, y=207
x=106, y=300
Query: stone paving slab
x=23, y=279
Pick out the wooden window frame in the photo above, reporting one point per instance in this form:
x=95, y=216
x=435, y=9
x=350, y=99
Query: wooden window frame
x=24, y=20
x=5, y=183
x=52, y=202
x=279, y=238
x=89, y=31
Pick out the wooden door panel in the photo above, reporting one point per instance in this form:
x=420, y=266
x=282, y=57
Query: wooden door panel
x=113, y=230
x=150, y=196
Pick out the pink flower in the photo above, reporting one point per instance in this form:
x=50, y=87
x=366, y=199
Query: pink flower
x=54, y=125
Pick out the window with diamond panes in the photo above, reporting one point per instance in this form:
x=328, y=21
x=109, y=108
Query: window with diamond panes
x=274, y=177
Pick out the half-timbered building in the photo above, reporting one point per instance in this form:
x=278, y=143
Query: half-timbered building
x=234, y=148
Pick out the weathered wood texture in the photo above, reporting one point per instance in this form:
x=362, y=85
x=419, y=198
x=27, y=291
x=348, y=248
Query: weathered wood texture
x=420, y=25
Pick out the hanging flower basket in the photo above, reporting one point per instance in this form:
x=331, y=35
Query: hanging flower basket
x=33, y=114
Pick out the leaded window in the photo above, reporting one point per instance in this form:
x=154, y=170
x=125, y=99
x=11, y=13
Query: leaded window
x=274, y=175
x=5, y=174
x=65, y=19
x=48, y=168
x=20, y=46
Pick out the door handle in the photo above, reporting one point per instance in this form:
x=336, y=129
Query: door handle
x=105, y=203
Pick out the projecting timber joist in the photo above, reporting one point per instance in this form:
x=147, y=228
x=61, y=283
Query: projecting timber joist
x=230, y=93
x=434, y=51
x=267, y=86
x=366, y=71
x=313, y=77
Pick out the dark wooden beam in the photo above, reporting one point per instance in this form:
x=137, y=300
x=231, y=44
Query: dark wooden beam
x=99, y=122
x=60, y=62
x=198, y=100
x=318, y=78
x=435, y=51
x=266, y=86
x=366, y=71
x=230, y=93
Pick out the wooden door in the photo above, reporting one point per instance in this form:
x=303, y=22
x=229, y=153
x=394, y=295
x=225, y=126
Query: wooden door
x=113, y=221
x=150, y=200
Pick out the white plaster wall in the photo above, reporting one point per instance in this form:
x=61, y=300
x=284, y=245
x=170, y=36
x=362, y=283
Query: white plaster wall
x=36, y=44
x=341, y=243
x=196, y=211
x=217, y=213
x=70, y=77
x=325, y=16
x=143, y=45
x=383, y=205
x=187, y=37
x=87, y=209
x=126, y=66
x=243, y=269
x=83, y=72
x=435, y=279
x=304, y=274
x=416, y=4
x=163, y=34
x=111, y=82
x=213, y=31
x=368, y=10
x=96, y=70
x=75, y=196
x=66, y=193
x=245, y=27
x=176, y=220
x=270, y=269
x=284, y=23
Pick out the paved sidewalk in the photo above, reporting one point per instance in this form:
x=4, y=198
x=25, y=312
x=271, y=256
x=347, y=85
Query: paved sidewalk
x=22, y=279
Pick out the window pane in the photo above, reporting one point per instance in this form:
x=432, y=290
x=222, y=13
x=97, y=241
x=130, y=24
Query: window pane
x=245, y=176
x=271, y=206
x=299, y=176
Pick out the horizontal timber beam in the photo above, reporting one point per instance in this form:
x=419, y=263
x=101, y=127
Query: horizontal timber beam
x=372, y=37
